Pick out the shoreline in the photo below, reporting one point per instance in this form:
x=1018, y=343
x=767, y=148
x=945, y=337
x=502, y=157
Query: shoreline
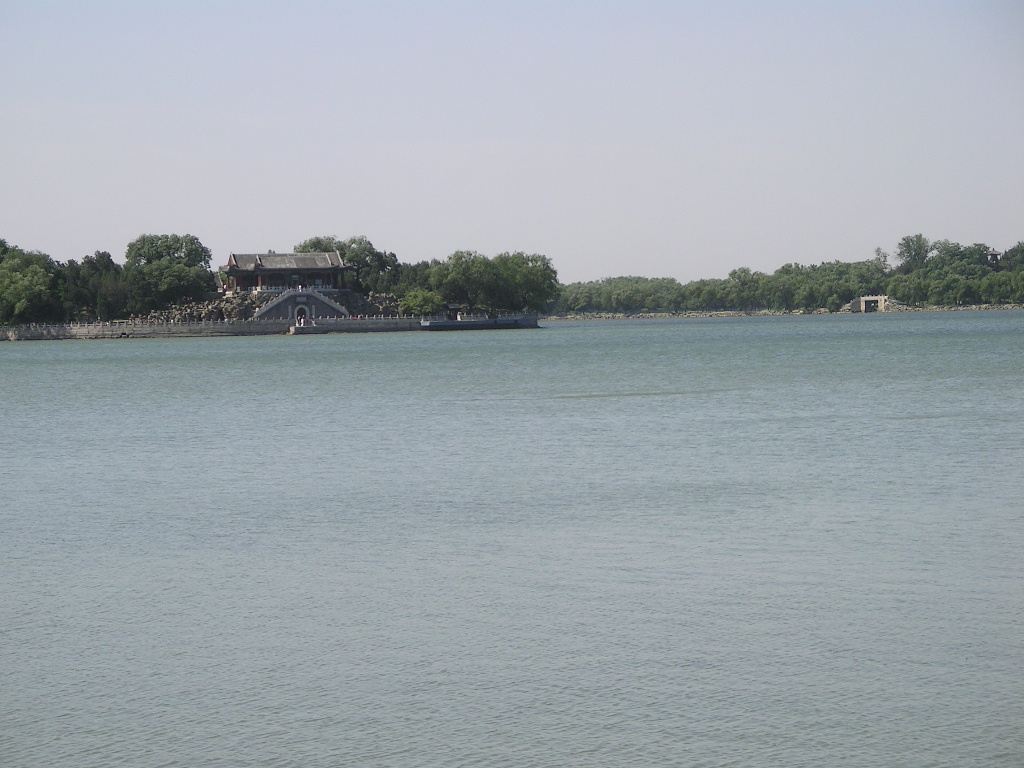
x=771, y=312
x=127, y=329
x=143, y=329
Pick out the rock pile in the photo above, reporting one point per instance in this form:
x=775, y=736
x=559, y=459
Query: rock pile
x=381, y=304
x=239, y=306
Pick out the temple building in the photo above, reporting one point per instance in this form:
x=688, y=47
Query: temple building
x=324, y=272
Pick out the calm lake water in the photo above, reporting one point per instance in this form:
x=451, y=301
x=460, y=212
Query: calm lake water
x=779, y=541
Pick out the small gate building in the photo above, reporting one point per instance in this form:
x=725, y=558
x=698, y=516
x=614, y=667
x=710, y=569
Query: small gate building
x=869, y=304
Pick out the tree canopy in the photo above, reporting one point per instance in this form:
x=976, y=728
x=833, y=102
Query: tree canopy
x=185, y=250
x=161, y=270
x=507, y=282
x=28, y=286
x=419, y=301
x=370, y=267
x=95, y=288
x=912, y=252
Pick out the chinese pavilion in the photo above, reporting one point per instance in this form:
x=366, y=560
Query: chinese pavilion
x=280, y=271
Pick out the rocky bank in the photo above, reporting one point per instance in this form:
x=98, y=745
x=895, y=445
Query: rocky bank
x=242, y=306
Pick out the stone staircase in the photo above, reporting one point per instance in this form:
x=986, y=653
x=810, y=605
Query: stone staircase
x=285, y=295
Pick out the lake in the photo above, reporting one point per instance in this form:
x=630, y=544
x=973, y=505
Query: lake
x=762, y=541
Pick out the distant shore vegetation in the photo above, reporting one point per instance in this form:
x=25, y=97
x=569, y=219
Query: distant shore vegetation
x=162, y=271
x=919, y=273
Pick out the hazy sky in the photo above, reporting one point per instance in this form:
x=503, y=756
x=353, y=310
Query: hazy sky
x=678, y=139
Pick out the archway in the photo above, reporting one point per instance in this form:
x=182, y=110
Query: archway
x=300, y=315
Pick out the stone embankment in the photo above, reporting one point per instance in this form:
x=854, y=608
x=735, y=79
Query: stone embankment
x=139, y=329
x=895, y=306
x=224, y=315
x=657, y=315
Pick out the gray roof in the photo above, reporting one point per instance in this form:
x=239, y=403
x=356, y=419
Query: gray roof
x=249, y=262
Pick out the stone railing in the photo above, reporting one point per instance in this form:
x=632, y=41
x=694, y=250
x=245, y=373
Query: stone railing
x=142, y=329
x=284, y=290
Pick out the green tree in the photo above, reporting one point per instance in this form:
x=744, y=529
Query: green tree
x=418, y=301
x=462, y=279
x=94, y=289
x=370, y=267
x=180, y=249
x=27, y=286
x=522, y=282
x=913, y=251
x=404, y=277
x=162, y=270
x=321, y=244
x=1013, y=259
x=508, y=282
x=746, y=289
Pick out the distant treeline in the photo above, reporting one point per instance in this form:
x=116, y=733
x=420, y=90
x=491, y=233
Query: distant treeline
x=161, y=271
x=925, y=272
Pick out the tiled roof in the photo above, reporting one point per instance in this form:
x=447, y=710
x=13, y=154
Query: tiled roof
x=249, y=262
